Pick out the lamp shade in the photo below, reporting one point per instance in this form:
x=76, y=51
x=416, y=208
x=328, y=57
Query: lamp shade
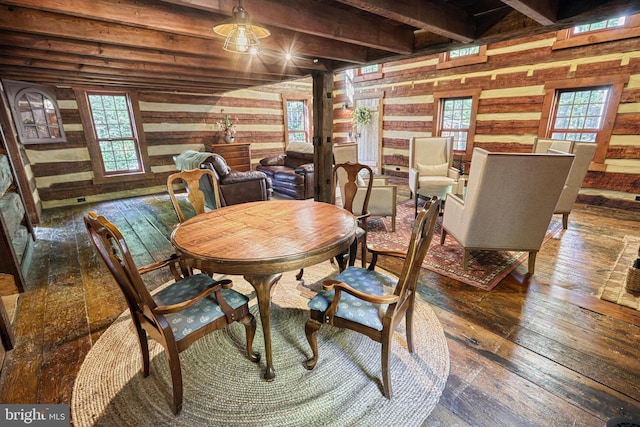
x=241, y=35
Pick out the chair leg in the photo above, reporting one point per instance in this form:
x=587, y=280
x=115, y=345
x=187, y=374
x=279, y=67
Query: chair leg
x=565, y=220
x=443, y=235
x=532, y=262
x=311, y=331
x=176, y=375
x=353, y=251
x=465, y=259
x=249, y=322
x=300, y=273
x=409, y=327
x=393, y=223
x=386, y=353
x=364, y=253
x=144, y=349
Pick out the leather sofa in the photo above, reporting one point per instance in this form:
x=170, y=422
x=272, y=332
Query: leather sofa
x=291, y=173
x=234, y=186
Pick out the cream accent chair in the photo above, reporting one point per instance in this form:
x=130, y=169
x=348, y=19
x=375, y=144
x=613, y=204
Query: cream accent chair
x=509, y=202
x=382, y=201
x=584, y=152
x=430, y=160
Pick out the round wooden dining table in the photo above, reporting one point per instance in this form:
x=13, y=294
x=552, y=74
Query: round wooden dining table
x=260, y=241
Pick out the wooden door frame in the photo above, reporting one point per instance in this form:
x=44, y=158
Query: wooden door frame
x=381, y=96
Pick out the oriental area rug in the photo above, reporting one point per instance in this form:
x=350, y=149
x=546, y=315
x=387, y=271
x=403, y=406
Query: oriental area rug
x=223, y=388
x=486, y=268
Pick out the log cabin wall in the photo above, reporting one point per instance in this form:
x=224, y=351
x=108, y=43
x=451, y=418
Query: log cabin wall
x=172, y=123
x=511, y=87
x=510, y=84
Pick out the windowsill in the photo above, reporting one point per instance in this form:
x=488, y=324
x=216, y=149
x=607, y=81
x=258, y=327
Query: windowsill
x=123, y=178
x=564, y=40
x=444, y=62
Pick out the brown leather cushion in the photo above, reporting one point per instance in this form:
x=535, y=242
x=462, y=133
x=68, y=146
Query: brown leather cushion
x=273, y=160
x=219, y=164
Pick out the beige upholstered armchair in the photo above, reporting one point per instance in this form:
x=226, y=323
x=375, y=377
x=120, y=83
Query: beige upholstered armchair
x=508, y=204
x=584, y=152
x=430, y=164
x=382, y=201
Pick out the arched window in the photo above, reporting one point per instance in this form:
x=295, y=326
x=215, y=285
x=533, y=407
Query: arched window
x=35, y=112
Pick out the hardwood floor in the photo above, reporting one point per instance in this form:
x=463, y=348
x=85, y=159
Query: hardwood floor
x=539, y=350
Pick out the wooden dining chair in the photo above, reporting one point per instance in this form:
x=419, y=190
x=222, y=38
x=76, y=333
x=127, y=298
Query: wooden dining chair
x=178, y=314
x=348, y=178
x=202, y=190
x=358, y=298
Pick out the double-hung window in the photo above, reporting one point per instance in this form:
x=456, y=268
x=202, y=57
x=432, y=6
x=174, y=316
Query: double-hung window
x=583, y=109
x=115, y=133
x=115, y=139
x=455, y=120
x=297, y=120
x=579, y=114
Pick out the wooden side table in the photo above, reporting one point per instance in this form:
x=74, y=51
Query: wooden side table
x=237, y=154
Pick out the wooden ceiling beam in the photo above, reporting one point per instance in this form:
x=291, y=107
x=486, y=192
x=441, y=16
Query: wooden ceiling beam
x=439, y=18
x=317, y=19
x=165, y=22
x=543, y=12
x=125, y=73
x=81, y=62
x=105, y=52
x=77, y=78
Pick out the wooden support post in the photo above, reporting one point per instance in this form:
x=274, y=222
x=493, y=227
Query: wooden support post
x=323, y=134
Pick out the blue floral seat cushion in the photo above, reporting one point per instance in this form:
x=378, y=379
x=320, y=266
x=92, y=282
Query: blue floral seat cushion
x=204, y=312
x=353, y=308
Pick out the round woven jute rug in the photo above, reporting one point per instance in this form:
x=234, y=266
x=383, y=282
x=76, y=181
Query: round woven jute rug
x=223, y=388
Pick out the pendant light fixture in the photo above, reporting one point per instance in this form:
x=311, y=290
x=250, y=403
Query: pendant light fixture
x=242, y=36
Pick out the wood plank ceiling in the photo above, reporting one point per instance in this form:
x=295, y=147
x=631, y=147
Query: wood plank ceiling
x=170, y=46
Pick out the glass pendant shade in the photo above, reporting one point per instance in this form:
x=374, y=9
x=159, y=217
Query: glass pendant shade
x=241, y=35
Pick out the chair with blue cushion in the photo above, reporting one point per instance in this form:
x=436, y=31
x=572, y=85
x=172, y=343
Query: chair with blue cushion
x=372, y=303
x=178, y=314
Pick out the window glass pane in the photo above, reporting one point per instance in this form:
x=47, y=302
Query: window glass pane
x=600, y=25
x=38, y=114
x=456, y=120
x=580, y=111
x=114, y=131
x=297, y=121
x=465, y=51
x=369, y=69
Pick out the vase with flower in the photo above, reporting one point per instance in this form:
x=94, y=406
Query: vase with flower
x=228, y=127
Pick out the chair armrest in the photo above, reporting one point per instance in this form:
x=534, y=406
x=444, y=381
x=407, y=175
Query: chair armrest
x=237, y=176
x=170, y=262
x=213, y=287
x=453, y=173
x=277, y=160
x=306, y=168
x=414, y=176
x=338, y=286
x=385, y=252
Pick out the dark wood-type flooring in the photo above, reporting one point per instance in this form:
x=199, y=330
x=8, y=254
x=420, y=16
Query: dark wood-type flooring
x=540, y=350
